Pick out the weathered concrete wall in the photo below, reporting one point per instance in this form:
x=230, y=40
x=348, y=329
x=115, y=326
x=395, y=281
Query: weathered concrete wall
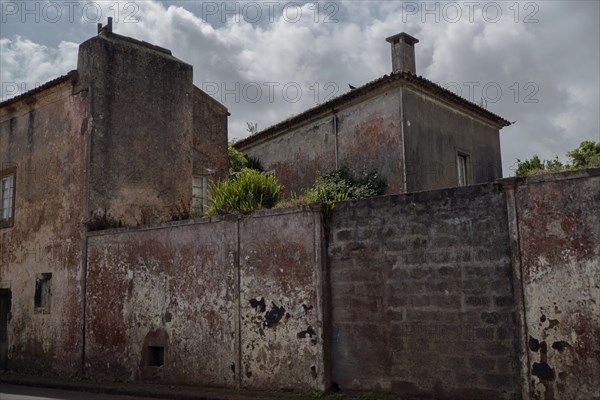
x=559, y=238
x=142, y=109
x=172, y=287
x=435, y=133
x=422, y=299
x=281, y=303
x=209, y=137
x=368, y=135
x=233, y=303
x=299, y=157
x=43, y=139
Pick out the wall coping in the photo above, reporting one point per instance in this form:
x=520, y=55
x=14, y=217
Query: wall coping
x=206, y=220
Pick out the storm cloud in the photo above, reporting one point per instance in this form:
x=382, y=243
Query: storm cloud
x=535, y=63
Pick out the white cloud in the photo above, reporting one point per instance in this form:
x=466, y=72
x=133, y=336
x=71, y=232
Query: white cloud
x=26, y=64
x=557, y=56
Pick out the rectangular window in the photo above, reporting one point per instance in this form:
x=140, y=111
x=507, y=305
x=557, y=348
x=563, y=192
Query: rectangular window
x=199, y=193
x=462, y=163
x=41, y=299
x=7, y=199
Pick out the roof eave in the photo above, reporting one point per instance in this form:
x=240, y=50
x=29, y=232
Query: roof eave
x=71, y=75
x=424, y=84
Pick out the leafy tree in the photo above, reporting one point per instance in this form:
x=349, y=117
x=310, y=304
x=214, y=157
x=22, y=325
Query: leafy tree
x=587, y=155
x=536, y=166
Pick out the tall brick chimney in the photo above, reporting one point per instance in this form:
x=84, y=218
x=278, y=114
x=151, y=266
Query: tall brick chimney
x=403, y=53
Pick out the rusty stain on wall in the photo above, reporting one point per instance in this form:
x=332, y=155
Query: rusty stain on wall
x=280, y=302
x=176, y=280
x=44, y=141
x=76, y=147
x=367, y=132
x=187, y=282
x=559, y=228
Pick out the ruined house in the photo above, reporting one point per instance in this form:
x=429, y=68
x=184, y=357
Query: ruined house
x=418, y=135
x=125, y=139
x=480, y=292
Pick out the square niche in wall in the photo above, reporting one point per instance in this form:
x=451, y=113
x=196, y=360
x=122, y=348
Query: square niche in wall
x=43, y=293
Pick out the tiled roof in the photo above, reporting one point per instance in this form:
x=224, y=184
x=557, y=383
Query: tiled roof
x=385, y=80
x=49, y=84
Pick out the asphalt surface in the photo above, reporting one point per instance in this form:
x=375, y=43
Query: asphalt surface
x=15, y=392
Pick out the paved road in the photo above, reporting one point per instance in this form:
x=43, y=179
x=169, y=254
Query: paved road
x=14, y=392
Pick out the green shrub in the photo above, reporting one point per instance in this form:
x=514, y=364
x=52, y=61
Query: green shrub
x=368, y=183
x=254, y=163
x=336, y=186
x=368, y=396
x=535, y=166
x=245, y=191
x=339, y=185
x=235, y=159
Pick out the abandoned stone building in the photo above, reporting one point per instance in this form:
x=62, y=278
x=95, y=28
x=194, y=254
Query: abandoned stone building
x=102, y=137
x=487, y=291
x=418, y=135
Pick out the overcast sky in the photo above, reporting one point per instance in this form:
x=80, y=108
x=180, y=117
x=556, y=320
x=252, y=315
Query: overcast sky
x=534, y=62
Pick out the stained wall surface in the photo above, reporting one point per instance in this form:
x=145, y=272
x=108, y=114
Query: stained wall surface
x=142, y=108
x=359, y=136
x=209, y=142
x=300, y=156
x=232, y=303
x=422, y=296
x=559, y=238
x=281, y=302
x=43, y=142
x=436, y=133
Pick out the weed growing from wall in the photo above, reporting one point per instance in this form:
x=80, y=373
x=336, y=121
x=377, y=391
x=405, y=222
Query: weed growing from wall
x=179, y=212
x=336, y=186
x=244, y=192
x=102, y=219
x=367, y=183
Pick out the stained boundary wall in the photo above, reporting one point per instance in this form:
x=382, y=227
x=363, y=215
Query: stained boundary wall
x=489, y=291
x=228, y=303
x=422, y=294
x=483, y=292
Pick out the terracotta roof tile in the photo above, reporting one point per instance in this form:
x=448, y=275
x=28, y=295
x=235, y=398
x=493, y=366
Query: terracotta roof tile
x=385, y=80
x=69, y=76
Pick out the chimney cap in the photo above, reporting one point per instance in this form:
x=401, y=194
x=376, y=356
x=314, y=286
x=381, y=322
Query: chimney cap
x=107, y=28
x=405, y=37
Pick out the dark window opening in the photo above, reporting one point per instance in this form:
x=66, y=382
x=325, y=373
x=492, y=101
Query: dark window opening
x=156, y=356
x=462, y=164
x=41, y=298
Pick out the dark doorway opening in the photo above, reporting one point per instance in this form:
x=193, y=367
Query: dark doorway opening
x=5, y=305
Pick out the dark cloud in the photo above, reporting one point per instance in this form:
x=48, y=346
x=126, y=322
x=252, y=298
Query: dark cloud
x=537, y=63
